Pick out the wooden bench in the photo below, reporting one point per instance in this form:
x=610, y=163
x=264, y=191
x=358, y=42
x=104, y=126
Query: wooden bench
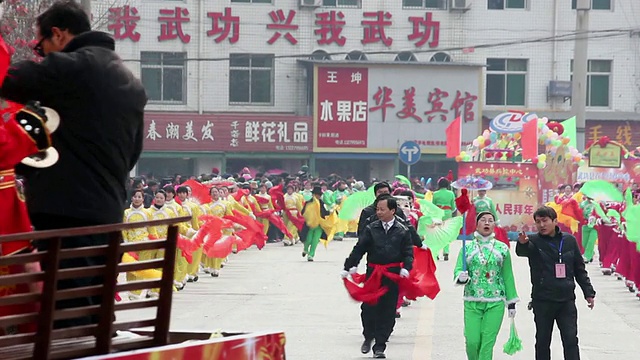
x=47, y=343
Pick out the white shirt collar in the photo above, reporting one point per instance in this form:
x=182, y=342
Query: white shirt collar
x=390, y=223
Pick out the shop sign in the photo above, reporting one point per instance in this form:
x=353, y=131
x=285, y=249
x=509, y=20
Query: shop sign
x=380, y=107
x=227, y=133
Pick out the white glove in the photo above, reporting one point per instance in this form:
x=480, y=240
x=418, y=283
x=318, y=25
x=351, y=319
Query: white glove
x=512, y=313
x=463, y=277
x=344, y=274
x=404, y=273
x=353, y=270
x=424, y=247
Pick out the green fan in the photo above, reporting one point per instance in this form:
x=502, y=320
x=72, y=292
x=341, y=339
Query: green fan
x=632, y=227
x=403, y=179
x=439, y=236
x=352, y=206
x=601, y=191
x=428, y=209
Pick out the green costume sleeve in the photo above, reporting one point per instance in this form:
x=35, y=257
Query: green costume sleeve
x=509, y=281
x=458, y=268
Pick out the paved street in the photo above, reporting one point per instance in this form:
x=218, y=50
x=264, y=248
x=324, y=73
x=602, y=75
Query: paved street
x=275, y=289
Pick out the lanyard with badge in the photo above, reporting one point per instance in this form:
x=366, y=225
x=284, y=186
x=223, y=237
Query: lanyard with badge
x=561, y=268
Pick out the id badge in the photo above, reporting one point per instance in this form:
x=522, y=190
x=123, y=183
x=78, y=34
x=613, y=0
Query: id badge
x=561, y=271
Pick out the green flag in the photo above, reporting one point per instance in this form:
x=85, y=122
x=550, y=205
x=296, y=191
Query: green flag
x=570, y=131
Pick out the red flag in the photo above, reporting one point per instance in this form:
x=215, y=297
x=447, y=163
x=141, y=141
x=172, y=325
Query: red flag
x=529, y=140
x=454, y=138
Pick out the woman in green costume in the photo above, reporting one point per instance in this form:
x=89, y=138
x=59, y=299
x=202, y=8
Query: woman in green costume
x=445, y=199
x=489, y=287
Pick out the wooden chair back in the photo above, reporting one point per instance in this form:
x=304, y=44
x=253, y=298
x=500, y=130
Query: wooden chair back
x=48, y=343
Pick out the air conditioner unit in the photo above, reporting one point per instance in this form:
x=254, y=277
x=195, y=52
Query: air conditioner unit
x=310, y=3
x=460, y=5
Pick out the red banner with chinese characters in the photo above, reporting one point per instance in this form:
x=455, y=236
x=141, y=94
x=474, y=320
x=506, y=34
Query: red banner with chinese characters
x=515, y=191
x=234, y=133
x=243, y=347
x=342, y=110
x=626, y=133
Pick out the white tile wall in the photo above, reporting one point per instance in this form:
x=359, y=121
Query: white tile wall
x=476, y=27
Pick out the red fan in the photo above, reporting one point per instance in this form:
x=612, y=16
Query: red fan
x=199, y=191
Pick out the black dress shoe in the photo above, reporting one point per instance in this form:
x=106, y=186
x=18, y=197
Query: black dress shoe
x=366, y=346
x=379, y=354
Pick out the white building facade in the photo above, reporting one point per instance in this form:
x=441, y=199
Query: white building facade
x=242, y=66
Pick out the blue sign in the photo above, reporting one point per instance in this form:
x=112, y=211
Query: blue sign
x=409, y=152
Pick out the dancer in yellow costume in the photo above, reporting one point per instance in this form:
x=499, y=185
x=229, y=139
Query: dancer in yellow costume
x=293, y=203
x=190, y=208
x=161, y=211
x=137, y=213
x=264, y=203
x=218, y=208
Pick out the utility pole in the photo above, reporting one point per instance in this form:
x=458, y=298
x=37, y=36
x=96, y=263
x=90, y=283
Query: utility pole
x=86, y=5
x=580, y=62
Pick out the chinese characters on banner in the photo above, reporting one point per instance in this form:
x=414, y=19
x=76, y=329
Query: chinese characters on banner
x=281, y=25
x=515, y=191
x=400, y=103
x=211, y=132
x=626, y=133
x=342, y=108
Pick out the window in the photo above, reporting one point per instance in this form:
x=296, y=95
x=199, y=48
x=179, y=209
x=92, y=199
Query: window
x=252, y=1
x=595, y=4
x=428, y=4
x=341, y=3
x=251, y=79
x=598, y=82
x=506, y=4
x=506, y=82
x=320, y=55
x=406, y=56
x=441, y=57
x=356, y=55
x=163, y=76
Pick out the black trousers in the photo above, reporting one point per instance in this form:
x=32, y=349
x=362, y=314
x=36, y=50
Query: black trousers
x=378, y=320
x=565, y=315
x=50, y=222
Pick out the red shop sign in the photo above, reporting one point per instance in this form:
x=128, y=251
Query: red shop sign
x=231, y=133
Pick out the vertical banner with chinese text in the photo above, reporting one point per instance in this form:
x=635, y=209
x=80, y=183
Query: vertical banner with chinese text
x=342, y=114
x=515, y=191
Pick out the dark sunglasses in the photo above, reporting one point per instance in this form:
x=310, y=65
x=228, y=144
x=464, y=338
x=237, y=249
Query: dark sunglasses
x=38, y=48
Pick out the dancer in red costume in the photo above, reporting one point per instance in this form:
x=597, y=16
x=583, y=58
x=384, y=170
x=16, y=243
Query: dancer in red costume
x=24, y=133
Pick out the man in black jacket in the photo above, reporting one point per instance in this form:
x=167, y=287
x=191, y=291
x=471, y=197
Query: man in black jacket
x=99, y=140
x=385, y=241
x=556, y=264
x=380, y=188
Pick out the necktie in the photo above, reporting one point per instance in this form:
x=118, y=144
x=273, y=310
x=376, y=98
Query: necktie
x=386, y=228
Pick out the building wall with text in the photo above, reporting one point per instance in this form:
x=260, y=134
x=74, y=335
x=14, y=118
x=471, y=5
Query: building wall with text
x=213, y=30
